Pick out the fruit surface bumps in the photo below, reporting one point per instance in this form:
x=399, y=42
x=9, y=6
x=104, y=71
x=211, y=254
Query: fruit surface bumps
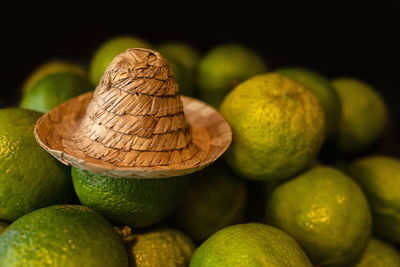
x=225, y=66
x=62, y=235
x=137, y=202
x=326, y=212
x=364, y=115
x=214, y=199
x=323, y=89
x=379, y=254
x=159, y=246
x=379, y=178
x=278, y=127
x=30, y=178
x=250, y=244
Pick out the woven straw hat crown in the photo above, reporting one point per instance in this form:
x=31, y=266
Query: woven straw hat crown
x=136, y=115
x=135, y=124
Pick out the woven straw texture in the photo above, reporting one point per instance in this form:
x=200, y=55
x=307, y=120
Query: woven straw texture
x=135, y=124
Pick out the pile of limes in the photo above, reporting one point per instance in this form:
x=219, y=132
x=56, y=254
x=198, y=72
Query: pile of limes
x=300, y=184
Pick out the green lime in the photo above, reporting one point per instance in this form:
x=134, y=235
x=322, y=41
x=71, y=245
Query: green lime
x=223, y=67
x=364, y=115
x=214, y=199
x=109, y=49
x=379, y=178
x=250, y=244
x=137, y=202
x=379, y=254
x=325, y=212
x=30, y=178
x=62, y=235
x=158, y=246
x=53, y=90
x=3, y=226
x=183, y=59
x=278, y=127
x=182, y=77
x=326, y=94
x=50, y=67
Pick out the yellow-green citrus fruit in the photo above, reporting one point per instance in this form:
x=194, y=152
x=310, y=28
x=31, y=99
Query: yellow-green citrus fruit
x=364, y=115
x=62, y=236
x=278, y=127
x=159, y=247
x=379, y=254
x=326, y=212
x=223, y=67
x=109, y=49
x=183, y=59
x=214, y=199
x=53, y=90
x=30, y=178
x=323, y=89
x=50, y=67
x=379, y=178
x=3, y=226
x=250, y=244
x=137, y=202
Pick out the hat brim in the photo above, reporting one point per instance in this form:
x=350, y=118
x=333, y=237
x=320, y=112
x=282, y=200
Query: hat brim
x=210, y=133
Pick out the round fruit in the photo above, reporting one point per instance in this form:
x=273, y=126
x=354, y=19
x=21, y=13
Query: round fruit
x=50, y=67
x=214, y=199
x=379, y=178
x=326, y=94
x=183, y=59
x=278, y=127
x=62, y=235
x=3, y=226
x=53, y=90
x=251, y=244
x=325, y=212
x=223, y=67
x=379, y=254
x=159, y=247
x=137, y=202
x=182, y=77
x=106, y=52
x=364, y=115
x=30, y=178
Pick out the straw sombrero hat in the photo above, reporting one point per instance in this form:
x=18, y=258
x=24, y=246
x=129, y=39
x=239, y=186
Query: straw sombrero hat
x=135, y=124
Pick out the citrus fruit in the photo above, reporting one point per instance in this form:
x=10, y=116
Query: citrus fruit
x=182, y=77
x=137, y=202
x=250, y=244
x=50, y=67
x=278, y=127
x=30, y=178
x=214, y=199
x=3, y=226
x=364, y=115
x=53, y=90
x=183, y=59
x=322, y=87
x=379, y=254
x=379, y=178
x=325, y=212
x=223, y=67
x=62, y=235
x=158, y=246
x=109, y=49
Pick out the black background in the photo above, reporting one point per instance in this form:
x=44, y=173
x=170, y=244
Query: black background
x=357, y=40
